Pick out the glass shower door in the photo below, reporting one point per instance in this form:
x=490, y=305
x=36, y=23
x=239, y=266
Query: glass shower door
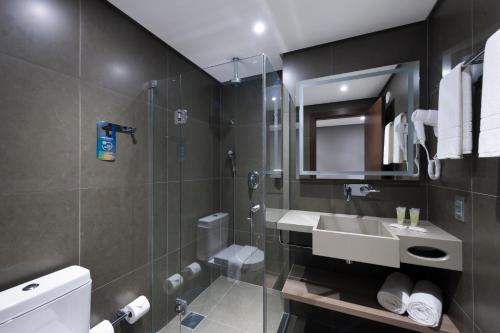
x=200, y=223
x=166, y=139
x=209, y=233
x=226, y=237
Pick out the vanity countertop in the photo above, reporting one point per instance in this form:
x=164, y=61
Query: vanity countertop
x=305, y=221
x=273, y=215
x=439, y=248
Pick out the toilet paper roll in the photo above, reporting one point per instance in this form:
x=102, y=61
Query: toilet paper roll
x=173, y=283
x=191, y=271
x=136, y=309
x=103, y=327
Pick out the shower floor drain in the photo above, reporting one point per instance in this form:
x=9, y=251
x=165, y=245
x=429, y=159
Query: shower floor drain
x=192, y=320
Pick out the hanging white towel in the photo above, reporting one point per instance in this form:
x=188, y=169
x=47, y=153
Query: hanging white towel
x=394, y=295
x=426, y=306
x=466, y=112
x=399, y=139
x=388, y=143
x=489, y=135
x=450, y=117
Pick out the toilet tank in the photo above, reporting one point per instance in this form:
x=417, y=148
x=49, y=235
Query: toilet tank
x=57, y=302
x=212, y=233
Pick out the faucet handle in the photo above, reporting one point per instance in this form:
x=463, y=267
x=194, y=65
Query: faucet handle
x=358, y=190
x=368, y=189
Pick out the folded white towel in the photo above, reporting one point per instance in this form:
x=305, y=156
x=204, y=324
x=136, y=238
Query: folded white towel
x=394, y=294
x=489, y=135
x=426, y=306
x=388, y=143
x=450, y=115
x=399, y=139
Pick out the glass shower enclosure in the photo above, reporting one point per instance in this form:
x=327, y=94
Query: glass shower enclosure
x=216, y=152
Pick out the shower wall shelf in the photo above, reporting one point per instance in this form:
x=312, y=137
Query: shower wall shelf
x=352, y=295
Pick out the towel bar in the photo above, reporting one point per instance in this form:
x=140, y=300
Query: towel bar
x=477, y=58
x=292, y=244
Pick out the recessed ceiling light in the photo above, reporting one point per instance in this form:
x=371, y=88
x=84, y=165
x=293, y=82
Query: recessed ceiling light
x=259, y=28
x=362, y=118
x=40, y=9
x=344, y=88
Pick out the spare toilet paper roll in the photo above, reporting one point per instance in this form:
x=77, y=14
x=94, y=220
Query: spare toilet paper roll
x=173, y=283
x=137, y=308
x=103, y=327
x=191, y=271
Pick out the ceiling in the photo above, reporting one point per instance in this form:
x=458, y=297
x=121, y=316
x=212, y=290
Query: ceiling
x=215, y=31
x=348, y=90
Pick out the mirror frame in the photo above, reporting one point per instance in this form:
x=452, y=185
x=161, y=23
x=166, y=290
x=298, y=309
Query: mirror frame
x=413, y=73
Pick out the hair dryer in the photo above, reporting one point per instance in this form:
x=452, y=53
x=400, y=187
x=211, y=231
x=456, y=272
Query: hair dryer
x=429, y=118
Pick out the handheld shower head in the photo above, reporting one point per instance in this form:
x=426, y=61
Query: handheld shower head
x=231, y=155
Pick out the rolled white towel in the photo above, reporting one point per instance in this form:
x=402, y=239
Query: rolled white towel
x=394, y=294
x=426, y=304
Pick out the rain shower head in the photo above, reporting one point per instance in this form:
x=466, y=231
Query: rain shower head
x=235, y=81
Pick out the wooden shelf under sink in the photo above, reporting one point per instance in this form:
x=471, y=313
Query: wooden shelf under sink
x=355, y=296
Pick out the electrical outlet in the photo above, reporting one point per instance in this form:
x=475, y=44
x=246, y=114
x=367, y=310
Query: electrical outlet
x=460, y=208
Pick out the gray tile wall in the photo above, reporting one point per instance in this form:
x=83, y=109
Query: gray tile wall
x=458, y=28
x=62, y=68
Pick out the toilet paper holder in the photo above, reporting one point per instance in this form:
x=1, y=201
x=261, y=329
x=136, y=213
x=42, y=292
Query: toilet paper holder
x=129, y=311
x=121, y=315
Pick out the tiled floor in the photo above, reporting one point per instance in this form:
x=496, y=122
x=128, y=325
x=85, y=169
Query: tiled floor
x=232, y=307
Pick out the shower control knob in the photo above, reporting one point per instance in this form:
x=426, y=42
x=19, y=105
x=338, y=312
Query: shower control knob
x=253, y=180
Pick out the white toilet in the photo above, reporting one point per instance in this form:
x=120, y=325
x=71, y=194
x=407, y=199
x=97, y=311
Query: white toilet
x=54, y=303
x=212, y=235
x=212, y=246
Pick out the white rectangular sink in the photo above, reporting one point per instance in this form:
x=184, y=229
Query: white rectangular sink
x=358, y=239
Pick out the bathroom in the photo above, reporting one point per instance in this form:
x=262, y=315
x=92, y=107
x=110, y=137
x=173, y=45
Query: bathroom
x=209, y=201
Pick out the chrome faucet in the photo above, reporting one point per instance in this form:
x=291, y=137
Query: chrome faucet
x=358, y=190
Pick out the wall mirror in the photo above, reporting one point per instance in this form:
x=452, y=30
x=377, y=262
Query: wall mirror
x=357, y=125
